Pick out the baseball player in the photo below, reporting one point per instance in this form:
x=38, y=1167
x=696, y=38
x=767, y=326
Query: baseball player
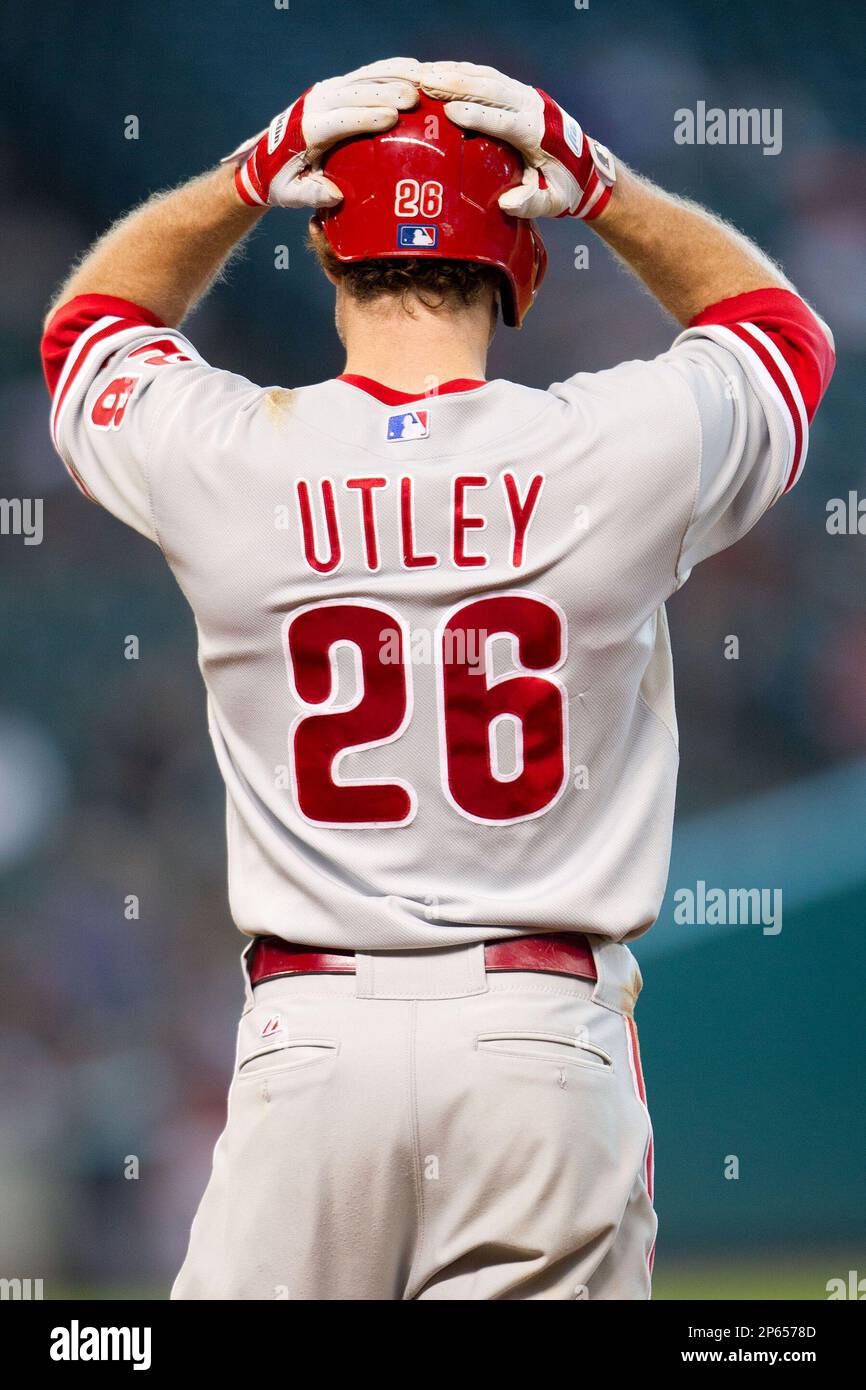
x=430, y=611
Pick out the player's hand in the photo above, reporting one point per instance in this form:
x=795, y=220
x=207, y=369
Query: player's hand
x=567, y=173
x=280, y=166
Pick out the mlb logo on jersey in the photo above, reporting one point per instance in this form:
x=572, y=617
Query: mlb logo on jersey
x=417, y=234
x=409, y=424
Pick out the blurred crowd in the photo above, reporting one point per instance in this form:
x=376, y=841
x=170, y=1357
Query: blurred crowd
x=118, y=960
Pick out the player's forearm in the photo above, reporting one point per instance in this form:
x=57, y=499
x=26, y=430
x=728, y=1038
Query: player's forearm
x=165, y=254
x=686, y=257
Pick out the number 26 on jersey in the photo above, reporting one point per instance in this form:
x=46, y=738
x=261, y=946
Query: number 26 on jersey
x=473, y=707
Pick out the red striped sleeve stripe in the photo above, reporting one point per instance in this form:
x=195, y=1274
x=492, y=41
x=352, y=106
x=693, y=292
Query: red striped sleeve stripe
x=796, y=409
x=791, y=351
x=803, y=340
x=77, y=316
x=100, y=339
x=86, y=323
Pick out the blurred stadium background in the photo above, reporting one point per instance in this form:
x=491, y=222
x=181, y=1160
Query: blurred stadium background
x=116, y=1035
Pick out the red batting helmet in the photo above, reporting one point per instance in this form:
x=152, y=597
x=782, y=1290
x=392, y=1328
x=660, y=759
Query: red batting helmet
x=427, y=188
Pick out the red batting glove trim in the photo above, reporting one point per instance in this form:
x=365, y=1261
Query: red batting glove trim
x=295, y=133
x=241, y=189
x=262, y=165
x=554, y=142
x=603, y=200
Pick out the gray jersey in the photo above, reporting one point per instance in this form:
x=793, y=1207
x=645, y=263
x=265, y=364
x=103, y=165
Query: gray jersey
x=432, y=631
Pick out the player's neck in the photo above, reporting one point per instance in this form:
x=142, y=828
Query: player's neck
x=417, y=352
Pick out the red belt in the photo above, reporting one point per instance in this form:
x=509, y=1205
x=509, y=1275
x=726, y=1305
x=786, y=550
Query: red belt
x=566, y=953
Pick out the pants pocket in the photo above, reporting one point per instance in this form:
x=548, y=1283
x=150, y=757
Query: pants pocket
x=552, y=1047
x=287, y=1055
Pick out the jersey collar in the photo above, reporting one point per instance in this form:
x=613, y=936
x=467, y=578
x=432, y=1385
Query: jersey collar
x=388, y=396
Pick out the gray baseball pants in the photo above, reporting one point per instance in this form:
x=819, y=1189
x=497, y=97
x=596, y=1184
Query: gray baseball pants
x=426, y=1130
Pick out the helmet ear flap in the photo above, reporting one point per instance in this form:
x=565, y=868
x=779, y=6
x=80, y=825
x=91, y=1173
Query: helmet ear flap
x=506, y=302
x=540, y=259
x=518, y=296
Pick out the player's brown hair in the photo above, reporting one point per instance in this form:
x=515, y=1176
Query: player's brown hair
x=434, y=283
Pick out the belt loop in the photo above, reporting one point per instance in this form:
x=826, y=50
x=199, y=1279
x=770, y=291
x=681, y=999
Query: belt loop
x=246, y=953
x=619, y=979
x=443, y=972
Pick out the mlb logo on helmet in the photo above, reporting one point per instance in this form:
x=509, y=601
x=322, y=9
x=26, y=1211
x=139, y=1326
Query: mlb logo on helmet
x=417, y=234
x=409, y=424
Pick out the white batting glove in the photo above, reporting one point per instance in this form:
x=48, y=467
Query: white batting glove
x=279, y=166
x=567, y=173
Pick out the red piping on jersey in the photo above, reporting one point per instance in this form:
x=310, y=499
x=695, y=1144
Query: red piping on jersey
x=388, y=396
